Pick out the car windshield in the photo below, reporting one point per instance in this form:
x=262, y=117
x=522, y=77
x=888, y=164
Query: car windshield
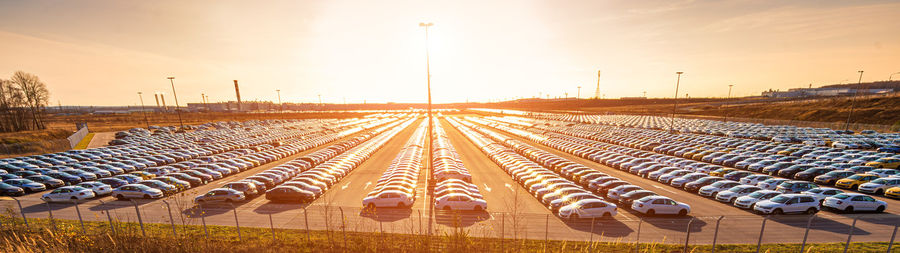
x=856, y=177
x=880, y=181
x=757, y=195
x=841, y=196
x=815, y=190
x=780, y=199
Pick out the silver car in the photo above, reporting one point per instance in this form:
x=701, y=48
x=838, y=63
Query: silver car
x=131, y=191
x=220, y=194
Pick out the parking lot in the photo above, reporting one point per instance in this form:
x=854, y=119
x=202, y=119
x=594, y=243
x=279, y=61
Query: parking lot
x=505, y=161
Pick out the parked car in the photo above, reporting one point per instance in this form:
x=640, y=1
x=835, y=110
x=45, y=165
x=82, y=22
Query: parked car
x=131, y=191
x=68, y=194
x=652, y=205
x=788, y=203
x=587, y=208
x=854, y=202
x=220, y=195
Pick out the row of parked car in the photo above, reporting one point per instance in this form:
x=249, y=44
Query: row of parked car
x=397, y=185
x=538, y=173
x=153, y=169
x=740, y=188
x=302, y=179
x=453, y=189
x=868, y=139
x=614, y=189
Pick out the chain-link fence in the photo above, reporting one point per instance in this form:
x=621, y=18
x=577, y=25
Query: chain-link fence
x=448, y=229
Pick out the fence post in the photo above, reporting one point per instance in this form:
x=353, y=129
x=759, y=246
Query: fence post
x=109, y=218
x=716, y=234
x=502, y=225
x=806, y=234
x=171, y=220
x=236, y=223
x=381, y=227
x=850, y=234
x=761, y=230
x=136, y=210
x=892, y=239
x=50, y=211
x=687, y=238
x=637, y=241
x=203, y=219
x=546, y=232
x=22, y=211
x=591, y=241
x=306, y=222
x=343, y=227
x=272, y=225
x=420, y=221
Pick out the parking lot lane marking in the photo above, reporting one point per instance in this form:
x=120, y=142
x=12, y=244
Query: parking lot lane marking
x=509, y=187
x=367, y=185
x=664, y=189
x=486, y=188
x=346, y=185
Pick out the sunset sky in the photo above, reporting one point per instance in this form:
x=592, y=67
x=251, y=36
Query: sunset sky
x=103, y=52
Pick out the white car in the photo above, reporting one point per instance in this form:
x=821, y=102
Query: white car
x=99, y=188
x=715, y=188
x=772, y=183
x=755, y=179
x=587, y=208
x=749, y=201
x=67, y=194
x=879, y=186
x=821, y=193
x=851, y=202
x=615, y=193
x=730, y=195
x=390, y=198
x=459, y=201
x=884, y=172
x=788, y=203
x=651, y=205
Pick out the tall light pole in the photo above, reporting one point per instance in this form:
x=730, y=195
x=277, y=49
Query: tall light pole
x=597, y=92
x=143, y=110
x=675, y=101
x=891, y=78
x=579, y=92
x=430, y=122
x=280, y=106
x=172, y=81
x=852, y=100
x=727, y=100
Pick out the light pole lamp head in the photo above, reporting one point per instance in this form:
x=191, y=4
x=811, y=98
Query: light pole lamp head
x=170, y=78
x=139, y=93
x=426, y=24
x=679, y=72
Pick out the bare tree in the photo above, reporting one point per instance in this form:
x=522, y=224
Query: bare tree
x=35, y=94
x=12, y=107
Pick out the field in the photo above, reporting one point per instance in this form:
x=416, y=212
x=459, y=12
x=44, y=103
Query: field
x=43, y=235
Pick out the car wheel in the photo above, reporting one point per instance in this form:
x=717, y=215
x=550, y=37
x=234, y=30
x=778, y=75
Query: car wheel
x=371, y=206
x=229, y=201
x=446, y=208
x=880, y=209
x=478, y=208
x=777, y=212
x=811, y=210
x=146, y=196
x=574, y=217
x=400, y=205
x=607, y=215
x=849, y=209
x=651, y=212
x=682, y=212
x=120, y=197
x=879, y=192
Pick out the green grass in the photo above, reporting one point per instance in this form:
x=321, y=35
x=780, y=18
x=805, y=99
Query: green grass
x=67, y=236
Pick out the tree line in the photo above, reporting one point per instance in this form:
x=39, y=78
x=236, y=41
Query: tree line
x=23, y=98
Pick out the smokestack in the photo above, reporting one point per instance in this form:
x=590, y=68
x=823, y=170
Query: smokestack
x=163, y=98
x=237, y=91
x=156, y=96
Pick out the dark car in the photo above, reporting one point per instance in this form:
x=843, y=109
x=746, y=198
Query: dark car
x=113, y=182
x=268, y=181
x=48, y=181
x=289, y=194
x=69, y=179
x=194, y=181
x=696, y=185
x=248, y=188
x=202, y=176
x=790, y=171
x=810, y=174
x=628, y=198
x=10, y=190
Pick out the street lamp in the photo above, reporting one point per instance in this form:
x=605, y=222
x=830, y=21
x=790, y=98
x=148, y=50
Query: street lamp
x=675, y=101
x=280, y=106
x=579, y=92
x=597, y=92
x=727, y=100
x=430, y=122
x=172, y=81
x=143, y=110
x=852, y=100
